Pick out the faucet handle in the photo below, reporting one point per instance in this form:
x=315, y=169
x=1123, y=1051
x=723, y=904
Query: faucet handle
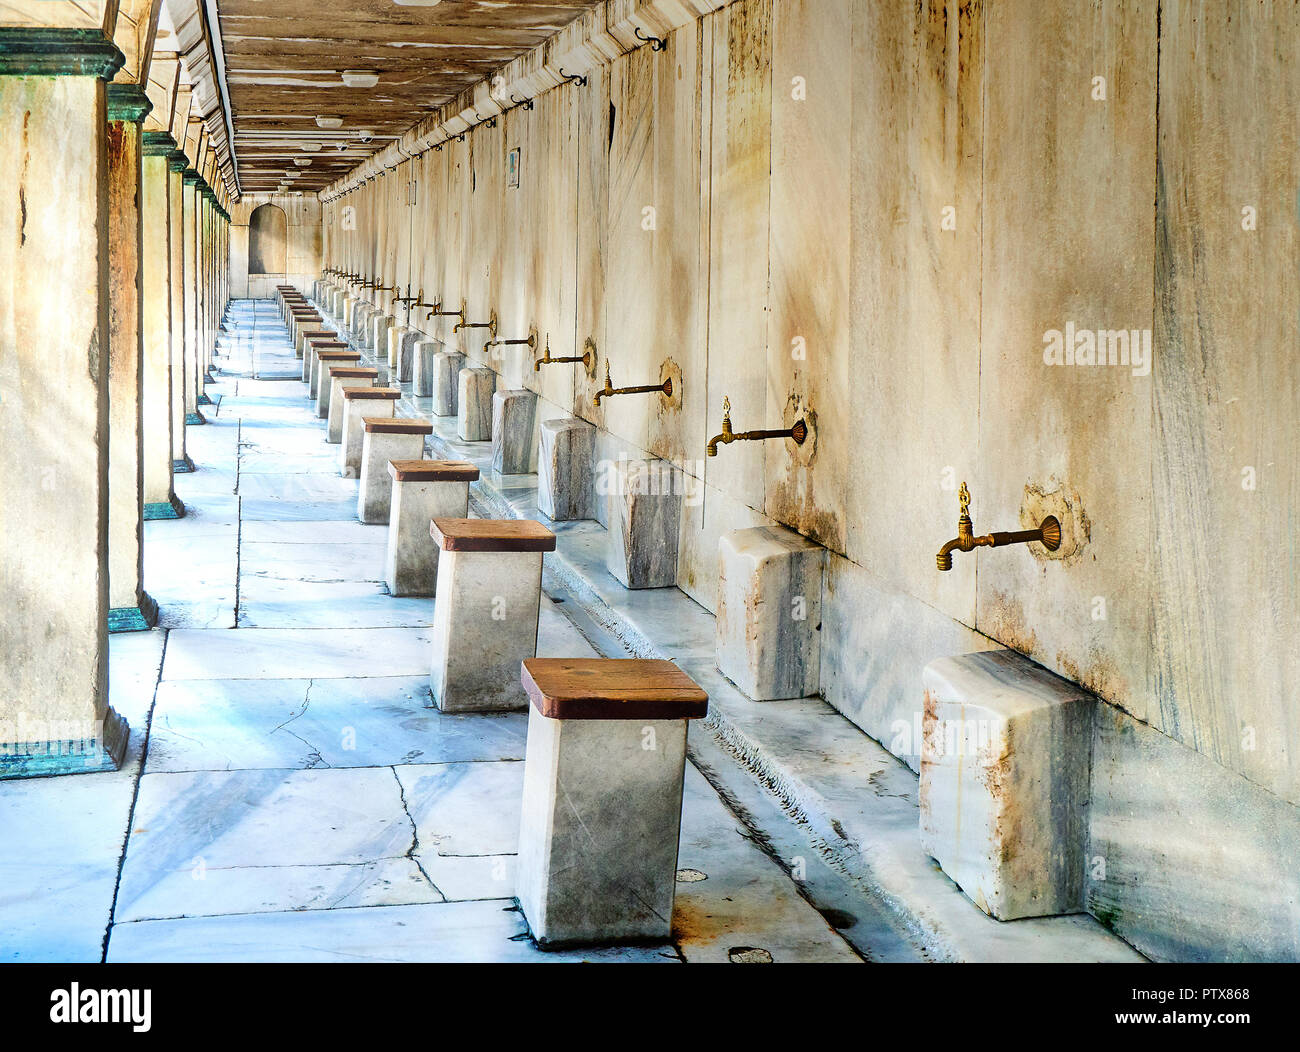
x=726, y=409
x=963, y=495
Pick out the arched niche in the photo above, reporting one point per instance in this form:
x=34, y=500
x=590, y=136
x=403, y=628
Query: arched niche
x=267, y=236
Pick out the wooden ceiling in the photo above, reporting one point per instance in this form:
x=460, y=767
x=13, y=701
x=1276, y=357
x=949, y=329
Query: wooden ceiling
x=284, y=60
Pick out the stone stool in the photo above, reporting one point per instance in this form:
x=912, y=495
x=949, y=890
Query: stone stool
x=380, y=324
x=485, y=619
x=513, y=414
x=1004, y=782
x=644, y=509
x=394, y=345
x=314, y=346
x=360, y=403
x=340, y=379
x=385, y=439
x=320, y=387
x=444, y=382
x=566, y=487
x=769, y=611
x=602, y=806
x=422, y=357
x=313, y=334
x=474, y=416
x=406, y=355
x=423, y=490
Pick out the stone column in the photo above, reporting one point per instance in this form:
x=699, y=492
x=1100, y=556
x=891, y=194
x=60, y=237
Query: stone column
x=54, y=712
x=130, y=608
x=160, y=500
x=177, y=163
x=190, y=291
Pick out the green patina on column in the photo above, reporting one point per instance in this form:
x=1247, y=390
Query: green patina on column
x=128, y=102
x=177, y=161
x=172, y=509
x=48, y=52
x=158, y=144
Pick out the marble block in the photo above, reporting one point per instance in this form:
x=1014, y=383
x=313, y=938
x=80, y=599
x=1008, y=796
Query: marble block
x=422, y=357
x=513, y=414
x=325, y=365
x=474, y=409
x=566, y=469
x=406, y=355
x=600, y=821
x=340, y=381
x=379, y=326
x=644, y=512
x=394, y=343
x=1005, y=782
x=485, y=617
x=320, y=355
x=423, y=490
x=349, y=310
x=361, y=325
x=358, y=404
x=385, y=439
x=768, y=626
x=444, y=382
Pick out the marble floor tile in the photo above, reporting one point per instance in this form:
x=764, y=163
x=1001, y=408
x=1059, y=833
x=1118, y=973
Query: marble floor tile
x=297, y=653
x=464, y=808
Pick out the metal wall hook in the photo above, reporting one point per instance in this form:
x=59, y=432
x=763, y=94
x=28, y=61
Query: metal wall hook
x=527, y=104
x=656, y=43
x=574, y=79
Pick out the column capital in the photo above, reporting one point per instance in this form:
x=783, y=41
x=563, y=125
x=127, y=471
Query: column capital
x=158, y=144
x=52, y=52
x=191, y=177
x=177, y=161
x=128, y=102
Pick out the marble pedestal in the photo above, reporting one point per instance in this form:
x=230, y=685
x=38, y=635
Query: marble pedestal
x=303, y=323
x=566, y=469
x=513, y=415
x=644, y=511
x=393, y=345
x=485, y=620
x=602, y=802
x=358, y=404
x=423, y=490
x=1005, y=782
x=314, y=347
x=406, y=351
x=444, y=382
x=385, y=439
x=313, y=334
x=767, y=638
x=474, y=409
x=320, y=388
x=422, y=357
x=342, y=379
x=379, y=327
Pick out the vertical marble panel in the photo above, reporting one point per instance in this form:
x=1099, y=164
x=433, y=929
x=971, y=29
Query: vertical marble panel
x=514, y=450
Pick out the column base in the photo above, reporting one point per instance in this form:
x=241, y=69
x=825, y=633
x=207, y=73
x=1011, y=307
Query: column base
x=183, y=466
x=166, y=509
x=139, y=618
x=204, y=399
x=194, y=419
x=84, y=756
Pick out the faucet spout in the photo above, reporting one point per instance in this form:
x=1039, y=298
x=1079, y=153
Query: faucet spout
x=1048, y=535
x=798, y=433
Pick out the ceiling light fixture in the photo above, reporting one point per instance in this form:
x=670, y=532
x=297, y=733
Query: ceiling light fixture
x=356, y=78
x=302, y=162
x=324, y=121
x=310, y=147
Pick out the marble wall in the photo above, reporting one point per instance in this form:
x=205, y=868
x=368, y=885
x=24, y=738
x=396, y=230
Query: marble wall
x=302, y=245
x=874, y=216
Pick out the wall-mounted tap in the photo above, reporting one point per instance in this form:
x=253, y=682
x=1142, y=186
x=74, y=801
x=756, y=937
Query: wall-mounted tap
x=490, y=325
x=1048, y=535
x=438, y=312
x=665, y=388
x=799, y=432
x=530, y=342
x=408, y=299
x=546, y=359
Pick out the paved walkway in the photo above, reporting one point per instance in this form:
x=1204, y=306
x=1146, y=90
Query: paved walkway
x=289, y=794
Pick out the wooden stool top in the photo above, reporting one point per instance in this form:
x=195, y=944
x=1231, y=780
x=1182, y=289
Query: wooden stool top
x=325, y=343
x=360, y=393
x=491, y=535
x=612, y=689
x=432, y=470
x=345, y=372
x=311, y=334
x=339, y=356
x=396, y=425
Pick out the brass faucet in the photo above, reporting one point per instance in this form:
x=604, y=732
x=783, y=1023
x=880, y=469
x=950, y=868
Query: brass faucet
x=584, y=358
x=1048, y=535
x=408, y=299
x=491, y=326
x=665, y=388
x=438, y=312
x=799, y=432
x=530, y=342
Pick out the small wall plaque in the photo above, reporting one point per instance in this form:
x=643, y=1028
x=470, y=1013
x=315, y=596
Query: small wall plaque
x=512, y=169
